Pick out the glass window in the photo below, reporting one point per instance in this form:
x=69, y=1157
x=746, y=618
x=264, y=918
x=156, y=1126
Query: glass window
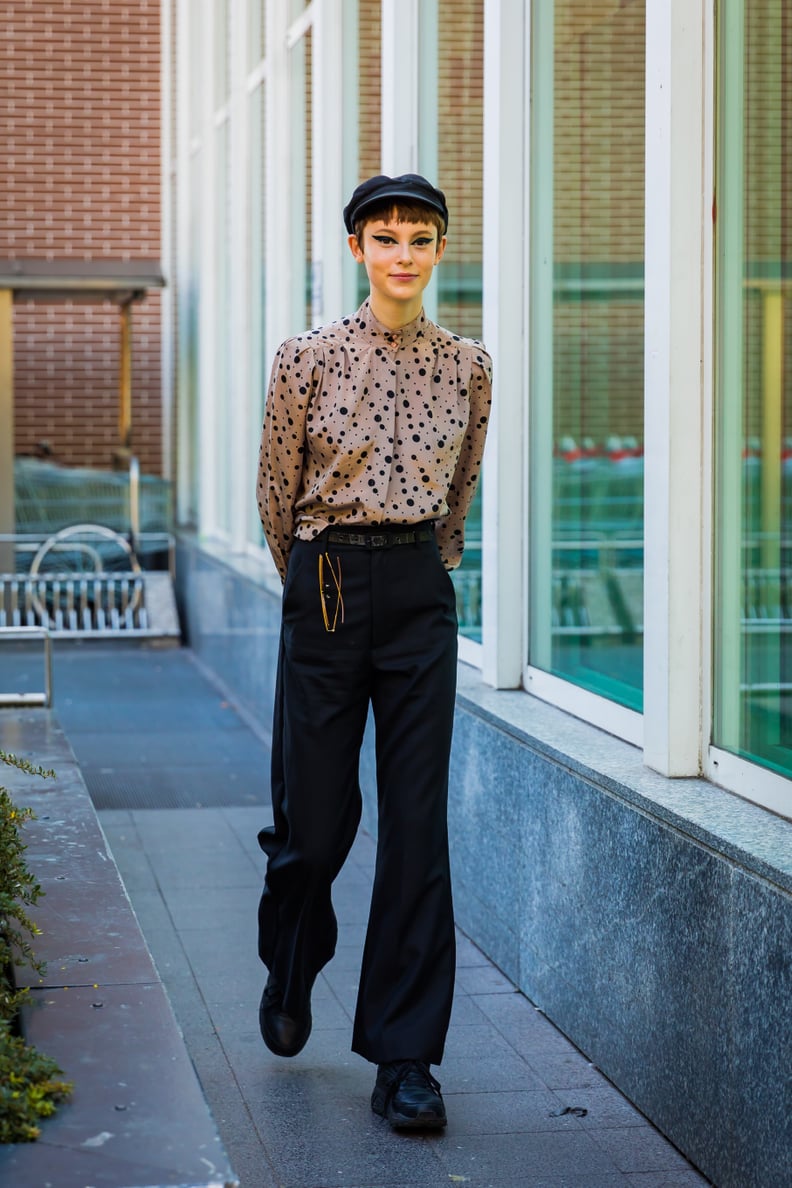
x=452, y=154
x=753, y=603
x=587, y=347
x=189, y=356
x=369, y=107
x=259, y=367
x=301, y=132
x=256, y=33
x=221, y=50
x=220, y=397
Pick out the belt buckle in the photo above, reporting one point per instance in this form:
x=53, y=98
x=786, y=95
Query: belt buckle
x=377, y=541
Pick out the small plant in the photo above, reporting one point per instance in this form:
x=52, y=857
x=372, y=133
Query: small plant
x=29, y=1088
x=29, y=1084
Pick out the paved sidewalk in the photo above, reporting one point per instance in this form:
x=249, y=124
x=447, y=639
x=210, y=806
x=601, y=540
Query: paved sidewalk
x=525, y=1107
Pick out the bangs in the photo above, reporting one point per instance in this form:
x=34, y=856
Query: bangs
x=401, y=212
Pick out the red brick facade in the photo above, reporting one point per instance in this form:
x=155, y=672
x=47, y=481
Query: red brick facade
x=80, y=145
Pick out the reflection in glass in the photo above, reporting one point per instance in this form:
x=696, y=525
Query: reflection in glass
x=301, y=100
x=753, y=604
x=586, y=473
x=457, y=143
x=369, y=106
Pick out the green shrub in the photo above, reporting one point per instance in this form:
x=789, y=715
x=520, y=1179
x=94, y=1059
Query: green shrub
x=29, y=1085
x=29, y=1088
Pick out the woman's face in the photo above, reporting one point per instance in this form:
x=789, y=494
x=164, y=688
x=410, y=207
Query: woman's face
x=399, y=259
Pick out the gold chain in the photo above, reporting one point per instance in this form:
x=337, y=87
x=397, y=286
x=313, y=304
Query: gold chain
x=339, y=606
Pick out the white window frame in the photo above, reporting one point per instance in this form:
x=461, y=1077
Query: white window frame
x=209, y=481
x=505, y=273
x=189, y=143
x=242, y=482
x=168, y=168
x=677, y=384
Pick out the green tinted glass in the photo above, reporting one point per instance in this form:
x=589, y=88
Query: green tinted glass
x=753, y=603
x=587, y=346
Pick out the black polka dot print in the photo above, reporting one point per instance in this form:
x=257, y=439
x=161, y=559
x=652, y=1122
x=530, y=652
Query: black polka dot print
x=366, y=426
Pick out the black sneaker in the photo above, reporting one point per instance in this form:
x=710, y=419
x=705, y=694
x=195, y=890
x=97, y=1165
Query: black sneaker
x=407, y=1095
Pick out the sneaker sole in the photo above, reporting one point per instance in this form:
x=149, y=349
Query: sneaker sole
x=402, y=1122
x=417, y=1123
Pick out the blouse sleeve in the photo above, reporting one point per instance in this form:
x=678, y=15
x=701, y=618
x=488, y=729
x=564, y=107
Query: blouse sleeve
x=283, y=447
x=450, y=530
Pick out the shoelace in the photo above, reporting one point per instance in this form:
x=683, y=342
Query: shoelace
x=415, y=1072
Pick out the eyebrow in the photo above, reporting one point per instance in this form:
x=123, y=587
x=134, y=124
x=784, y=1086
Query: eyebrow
x=389, y=229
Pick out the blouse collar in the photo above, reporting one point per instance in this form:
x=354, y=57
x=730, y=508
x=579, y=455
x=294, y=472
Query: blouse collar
x=374, y=330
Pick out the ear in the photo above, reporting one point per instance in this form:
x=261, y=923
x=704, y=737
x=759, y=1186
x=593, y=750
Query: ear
x=441, y=247
x=355, y=248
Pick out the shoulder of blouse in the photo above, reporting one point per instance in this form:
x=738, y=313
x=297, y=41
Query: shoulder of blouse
x=312, y=340
x=470, y=348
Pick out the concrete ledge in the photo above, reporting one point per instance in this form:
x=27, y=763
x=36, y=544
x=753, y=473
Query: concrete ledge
x=138, y=1117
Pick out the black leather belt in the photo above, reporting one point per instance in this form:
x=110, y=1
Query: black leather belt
x=378, y=540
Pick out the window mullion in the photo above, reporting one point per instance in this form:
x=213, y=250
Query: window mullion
x=400, y=58
x=675, y=398
x=504, y=280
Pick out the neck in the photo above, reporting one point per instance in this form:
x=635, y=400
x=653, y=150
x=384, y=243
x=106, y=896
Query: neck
x=395, y=314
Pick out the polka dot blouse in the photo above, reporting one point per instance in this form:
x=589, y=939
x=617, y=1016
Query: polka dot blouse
x=366, y=425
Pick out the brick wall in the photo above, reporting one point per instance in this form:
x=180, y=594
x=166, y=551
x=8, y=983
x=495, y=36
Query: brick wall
x=80, y=145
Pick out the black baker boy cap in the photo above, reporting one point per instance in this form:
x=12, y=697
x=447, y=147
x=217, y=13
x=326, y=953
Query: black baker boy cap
x=409, y=187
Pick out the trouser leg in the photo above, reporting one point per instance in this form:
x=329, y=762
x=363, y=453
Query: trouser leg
x=407, y=976
x=320, y=714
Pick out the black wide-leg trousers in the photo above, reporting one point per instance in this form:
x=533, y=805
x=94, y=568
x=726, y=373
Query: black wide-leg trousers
x=396, y=650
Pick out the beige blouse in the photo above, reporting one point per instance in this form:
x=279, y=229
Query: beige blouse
x=366, y=425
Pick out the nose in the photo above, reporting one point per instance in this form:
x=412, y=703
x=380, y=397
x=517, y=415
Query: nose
x=405, y=252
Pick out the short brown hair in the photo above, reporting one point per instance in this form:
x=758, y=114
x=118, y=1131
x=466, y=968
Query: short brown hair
x=401, y=212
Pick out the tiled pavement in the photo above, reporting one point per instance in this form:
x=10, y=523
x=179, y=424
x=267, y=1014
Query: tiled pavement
x=525, y=1107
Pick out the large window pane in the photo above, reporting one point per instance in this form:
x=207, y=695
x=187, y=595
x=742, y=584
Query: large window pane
x=369, y=106
x=586, y=466
x=300, y=187
x=753, y=607
x=259, y=366
x=452, y=148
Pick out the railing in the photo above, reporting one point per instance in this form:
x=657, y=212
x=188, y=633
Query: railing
x=36, y=698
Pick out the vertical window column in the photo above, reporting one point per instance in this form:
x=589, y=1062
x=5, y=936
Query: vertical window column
x=505, y=270
x=677, y=379
x=329, y=82
x=278, y=199
x=241, y=263
x=208, y=477
x=400, y=112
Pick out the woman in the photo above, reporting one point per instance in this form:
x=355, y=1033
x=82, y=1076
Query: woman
x=371, y=451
